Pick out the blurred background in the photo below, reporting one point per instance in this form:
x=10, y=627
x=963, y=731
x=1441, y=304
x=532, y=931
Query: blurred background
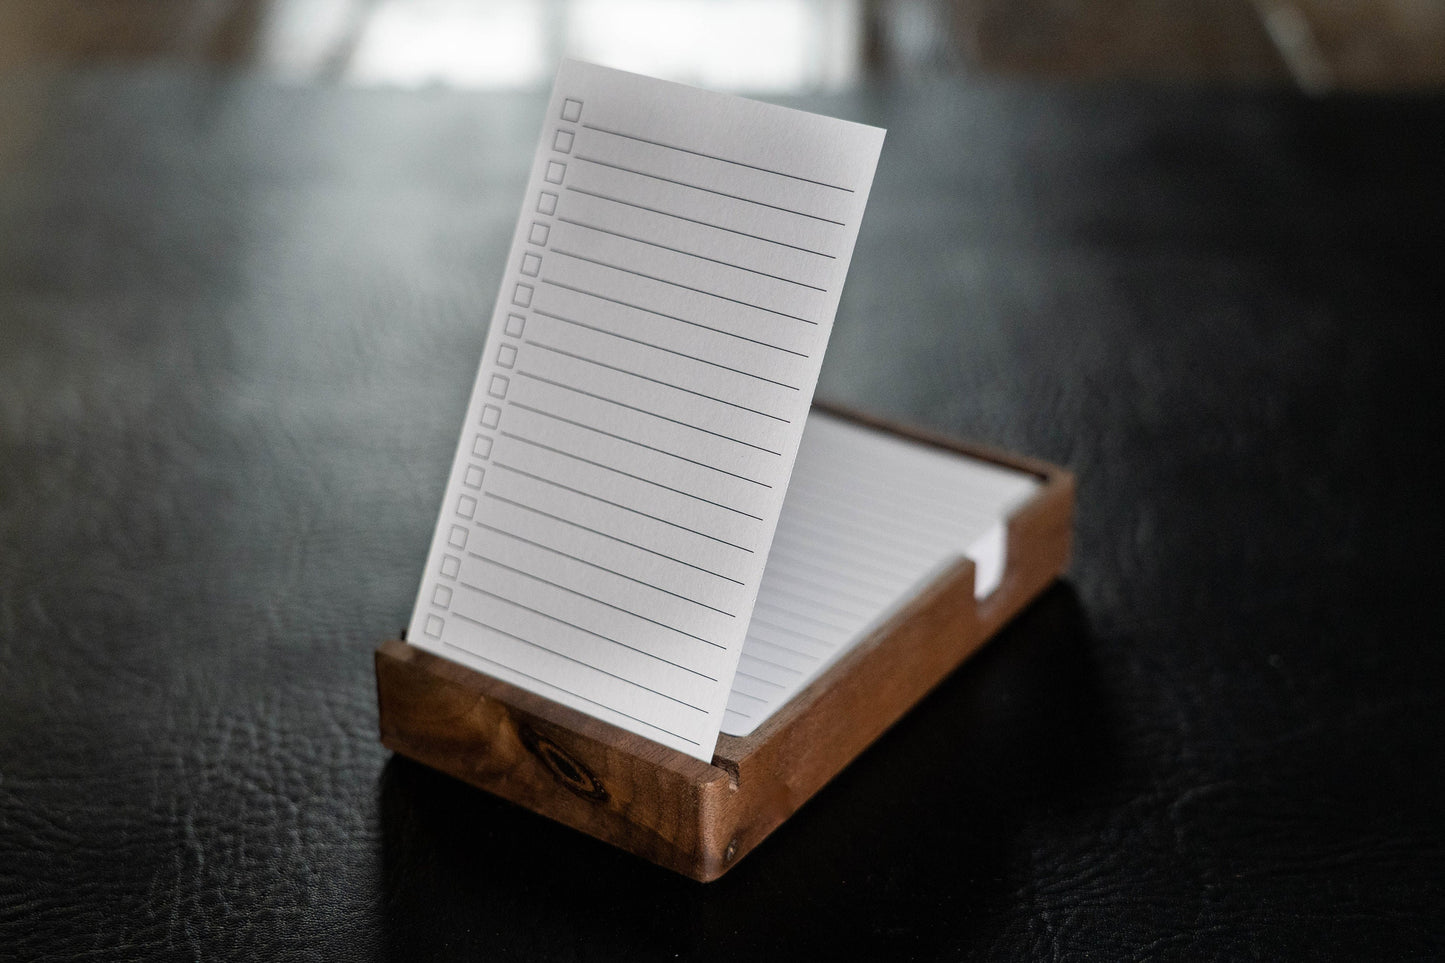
x=760, y=46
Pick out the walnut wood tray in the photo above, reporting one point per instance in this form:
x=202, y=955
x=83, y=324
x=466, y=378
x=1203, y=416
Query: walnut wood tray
x=698, y=818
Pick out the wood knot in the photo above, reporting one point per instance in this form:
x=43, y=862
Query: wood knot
x=564, y=767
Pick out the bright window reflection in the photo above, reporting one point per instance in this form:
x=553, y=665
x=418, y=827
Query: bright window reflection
x=750, y=45
x=459, y=43
x=763, y=45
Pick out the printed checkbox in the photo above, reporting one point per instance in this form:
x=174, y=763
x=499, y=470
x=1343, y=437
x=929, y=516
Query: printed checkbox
x=491, y=414
x=547, y=203
x=516, y=324
x=539, y=232
x=451, y=565
x=482, y=447
x=506, y=356
x=522, y=297
x=498, y=389
x=473, y=477
x=442, y=596
x=467, y=506
x=571, y=110
x=434, y=626
x=531, y=264
x=556, y=170
x=457, y=538
x=562, y=143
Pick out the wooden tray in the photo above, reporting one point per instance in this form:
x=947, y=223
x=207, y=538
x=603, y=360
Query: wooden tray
x=698, y=818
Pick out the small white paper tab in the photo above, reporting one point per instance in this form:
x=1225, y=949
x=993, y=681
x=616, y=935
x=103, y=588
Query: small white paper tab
x=670, y=290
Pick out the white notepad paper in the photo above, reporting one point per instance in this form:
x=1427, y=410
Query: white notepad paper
x=652, y=356
x=643, y=392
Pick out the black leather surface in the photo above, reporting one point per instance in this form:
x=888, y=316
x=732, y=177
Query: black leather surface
x=237, y=328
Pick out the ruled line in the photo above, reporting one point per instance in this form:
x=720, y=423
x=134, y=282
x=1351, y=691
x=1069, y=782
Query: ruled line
x=672, y=351
x=829, y=648
x=633, y=441
x=582, y=662
x=883, y=517
x=615, y=538
x=678, y=250
x=618, y=608
x=628, y=474
x=657, y=381
x=758, y=678
x=756, y=640
x=575, y=695
x=870, y=530
x=879, y=556
x=889, y=580
x=793, y=632
x=600, y=568
x=725, y=160
x=672, y=317
x=886, y=591
x=572, y=625
x=803, y=618
x=678, y=284
x=625, y=508
x=645, y=411
x=884, y=554
x=829, y=644
x=775, y=665
x=693, y=220
x=828, y=606
x=709, y=190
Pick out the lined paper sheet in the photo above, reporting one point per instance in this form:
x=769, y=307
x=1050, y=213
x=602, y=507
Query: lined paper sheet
x=652, y=356
x=869, y=520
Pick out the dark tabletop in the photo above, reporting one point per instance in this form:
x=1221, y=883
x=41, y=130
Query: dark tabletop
x=238, y=324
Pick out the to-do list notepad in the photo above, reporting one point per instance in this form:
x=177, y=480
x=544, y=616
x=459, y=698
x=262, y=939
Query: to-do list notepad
x=647, y=376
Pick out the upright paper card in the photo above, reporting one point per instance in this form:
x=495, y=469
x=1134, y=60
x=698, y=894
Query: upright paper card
x=651, y=361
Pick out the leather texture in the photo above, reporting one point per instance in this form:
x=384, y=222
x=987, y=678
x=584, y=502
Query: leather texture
x=238, y=324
